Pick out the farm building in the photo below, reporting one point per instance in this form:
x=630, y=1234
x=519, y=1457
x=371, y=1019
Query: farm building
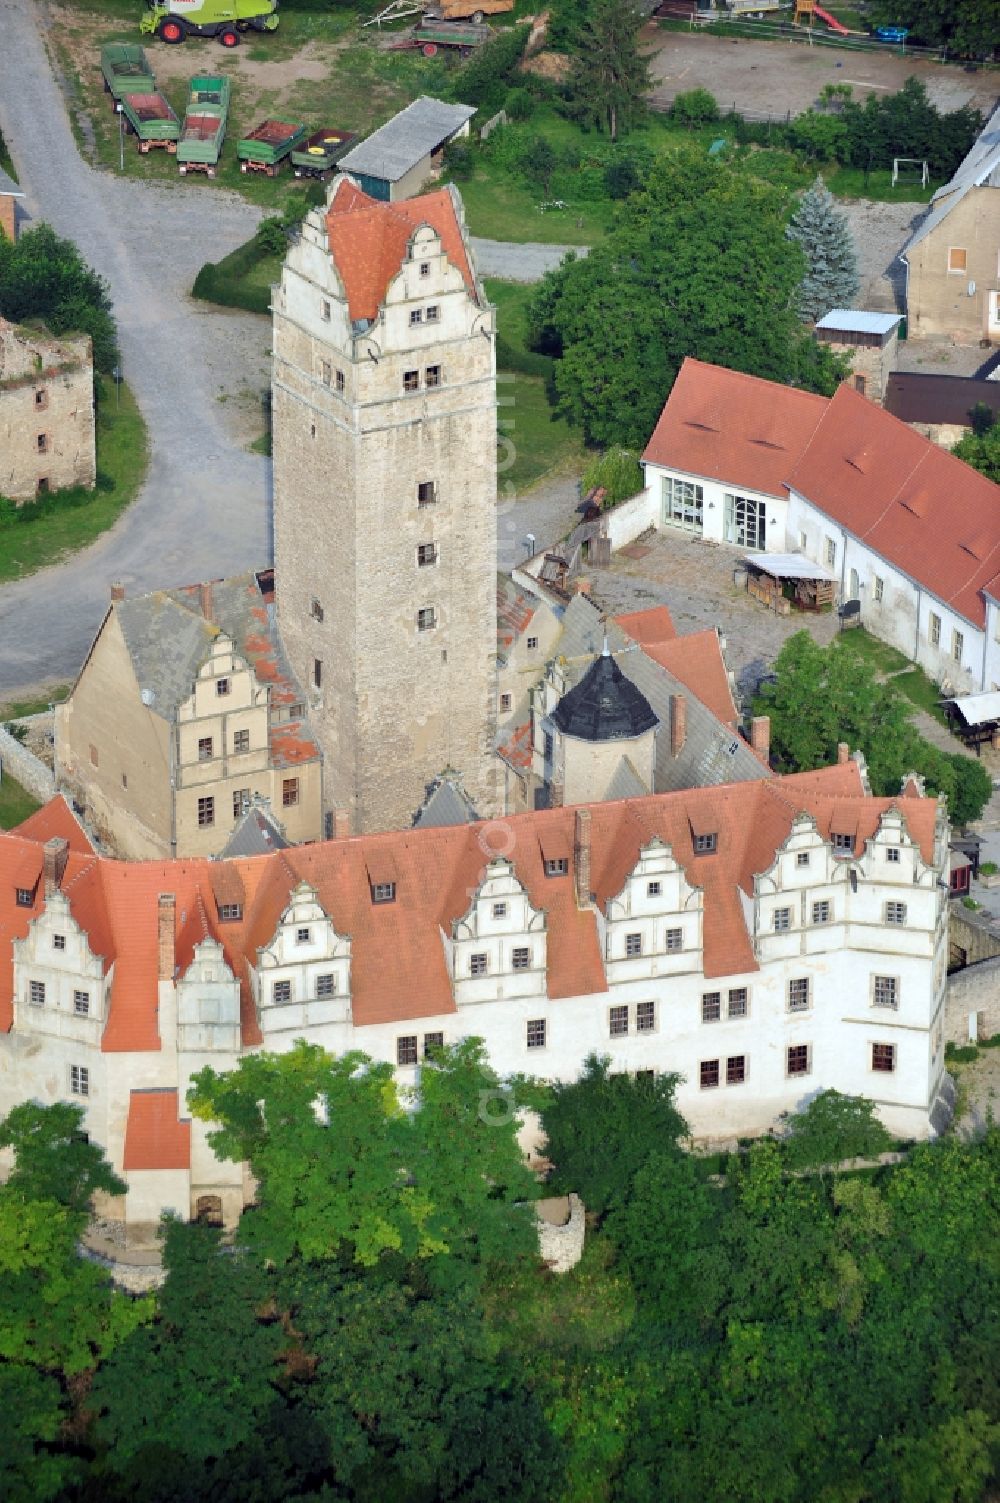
x=397, y=160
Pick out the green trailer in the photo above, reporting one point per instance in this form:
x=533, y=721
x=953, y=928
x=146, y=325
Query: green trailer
x=200, y=142
x=319, y=155
x=125, y=71
x=152, y=121
x=268, y=144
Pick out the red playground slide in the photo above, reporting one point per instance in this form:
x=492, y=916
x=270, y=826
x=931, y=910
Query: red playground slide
x=831, y=21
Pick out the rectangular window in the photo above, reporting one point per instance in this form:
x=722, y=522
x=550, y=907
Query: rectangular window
x=316, y=610
x=798, y=994
x=317, y=673
x=289, y=792
x=645, y=1017
x=557, y=868
x=958, y=261
x=433, y=313
x=81, y=1004
x=241, y=802
x=782, y=920
x=536, y=1033
x=222, y=686
x=744, y=521
x=326, y=985
x=830, y=553
x=58, y=941
x=674, y=939
x=206, y=812
x=532, y=644
x=797, y=1059
x=895, y=913
x=205, y=749
x=879, y=587
x=884, y=1058
x=325, y=310
x=406, y=1049
x=426, y=619
x=711, y=1007
x=844, y=843
x=302, y=936
x=36, y=993
x=892, y=853
x=432, y=1041
x=821, y=912
x=708, y=1074
x=416, y=316
x=736, y=1069
x=957, y=645
x=633, y=944
x=327, y=373
x=521, y=958
x=426, y=492
x=478, y=964
x=704, y=844
x=934, y=630
x=79, y=1080
x=41, y=398
x=683, y=503
x=885, y=991
x=43, y=443
x=617, y=1021
x=802, y=859
x=499, y=910
x=505, y=703
x=230, y=913
x=338, y=380
x=653, y=889
x=411, y=380
x=23, y=897
x=281, y=991
x=432, y=375
x=384, y=892
x=241, y=741
x=738, y=1002
x=427, y=554
x=425, y=268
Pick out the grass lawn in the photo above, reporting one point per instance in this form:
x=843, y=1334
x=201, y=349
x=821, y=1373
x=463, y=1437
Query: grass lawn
x=15, y=803
x=511, y=300
x=39, y=534
x=17, y=709
x=501, y=207
x=880, y=655
x=921, y=691
x=540, y=442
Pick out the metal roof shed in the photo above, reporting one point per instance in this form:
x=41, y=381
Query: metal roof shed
x=395, y=160
x=781, y=580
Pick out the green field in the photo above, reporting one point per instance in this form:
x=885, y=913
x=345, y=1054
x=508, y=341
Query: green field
x=39, y=533
x=15, y=803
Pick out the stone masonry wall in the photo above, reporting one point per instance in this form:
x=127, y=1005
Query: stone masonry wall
x=974, y=990
x=561, y=1246
x=22, y=765
x=47, y=429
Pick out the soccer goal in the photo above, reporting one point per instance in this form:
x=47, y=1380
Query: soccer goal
x=908, y=169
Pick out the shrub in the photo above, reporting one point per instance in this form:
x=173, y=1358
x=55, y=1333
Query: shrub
x=618, y=471
x=621, y=178
x=960, y=1054
x=483, y=76
x=271, y=236
x=460, y=159
x=696, y=107
x=834, y=1127
x=520, y=104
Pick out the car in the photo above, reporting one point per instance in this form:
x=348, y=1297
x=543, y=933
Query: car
x=892, y=33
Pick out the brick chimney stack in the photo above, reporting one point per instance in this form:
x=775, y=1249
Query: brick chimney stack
x=843, y=752
x=557, y=794
x=760, y=736
x=581, y=856
x=165, y=915
x=205, y=594
x=117, y=591
x=341, y=824
x=678, y=724
x=55, y=854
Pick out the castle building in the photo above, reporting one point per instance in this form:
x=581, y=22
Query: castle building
x=384, y=424
x=765, y=940
x=47, y=440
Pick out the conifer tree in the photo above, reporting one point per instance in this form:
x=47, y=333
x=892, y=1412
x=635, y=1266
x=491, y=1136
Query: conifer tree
x=610, y=76
x=831, y=279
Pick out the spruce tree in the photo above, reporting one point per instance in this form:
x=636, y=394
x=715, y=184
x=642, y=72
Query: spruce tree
x=831, y=278
x=610, y=77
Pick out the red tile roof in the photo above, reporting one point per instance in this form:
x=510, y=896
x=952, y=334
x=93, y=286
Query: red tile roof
x=56, y=819
x=739, y=429
x=933, y=517
x=696, y=659
x=154, y=1136
x=517, y=748
x=368, y=241
x=654, y=625
x=398, y=965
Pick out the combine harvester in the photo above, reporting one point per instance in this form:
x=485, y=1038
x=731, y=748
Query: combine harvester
x=175, y=20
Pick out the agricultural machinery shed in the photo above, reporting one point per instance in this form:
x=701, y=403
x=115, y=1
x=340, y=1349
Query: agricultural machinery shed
x=397, y=159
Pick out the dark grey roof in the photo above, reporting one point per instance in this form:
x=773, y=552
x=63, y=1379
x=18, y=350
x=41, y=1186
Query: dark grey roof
x=625, y=782
x=604, y=705
x=402, y=142
x=979, y=168
x=8, y=186
x=447, y=803
x=257, y=833
x=167, y=643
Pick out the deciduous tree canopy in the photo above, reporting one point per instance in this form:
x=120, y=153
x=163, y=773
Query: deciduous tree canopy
x=44, y=277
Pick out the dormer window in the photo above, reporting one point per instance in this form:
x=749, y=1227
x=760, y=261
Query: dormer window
x=302, y=936
x=705, y=844
x=557, y=867
x=383, y=892
x=58, y=941
x=230, y=913
x=843, y=844
x=24, y=896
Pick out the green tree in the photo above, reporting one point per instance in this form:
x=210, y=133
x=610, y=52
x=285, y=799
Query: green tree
x=601, y=1128
x=831, y=276
x=698, y=264
x=617, y=472
x=54, y=1159
x=695, y=107
x=33, y=1468
x=44, y=277
x=609, y=78
x=982, y=452
x=967, y=27
x=540, y=161
x=831, y=1128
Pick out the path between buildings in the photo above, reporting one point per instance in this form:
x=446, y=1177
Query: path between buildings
x=519, y=263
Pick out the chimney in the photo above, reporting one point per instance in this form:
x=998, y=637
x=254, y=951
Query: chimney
x=760, y=736
x=117, y=591
x=55, y=853
x=205, y=593
x=581, y=856
x=557, y=794
x=678, y=724
x=843, y=752
x=341, y=824
x=165, y=935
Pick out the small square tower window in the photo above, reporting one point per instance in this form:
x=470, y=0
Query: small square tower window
x=58, y=941
x=289, y=792
x=521, y=958
x=802, y=859
x=892, y=853
x=433, y=313
x=432, y=375
x=426, y=619
x=653, y=889
x=426, y=492
x=427, y=554
x=425, y=268
x=302, y=936
x=416, y=315
x=499, y=910
x=821, y=913
x=411, y=380
x=532, y=643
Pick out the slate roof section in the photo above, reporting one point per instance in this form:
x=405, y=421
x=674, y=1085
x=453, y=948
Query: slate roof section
x=8, y=187
x=155, y=1137
x=625, y=782
x=979, y=167
x=369, y=241
x=726, y=426
x=918, y=398
x=447, y=803
x=604, y=705
x=256, y=834
x=402, y=142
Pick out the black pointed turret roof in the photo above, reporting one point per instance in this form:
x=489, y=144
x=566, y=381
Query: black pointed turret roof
x=604, y=705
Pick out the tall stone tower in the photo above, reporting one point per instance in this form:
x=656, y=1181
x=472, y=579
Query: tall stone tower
x=384, y=422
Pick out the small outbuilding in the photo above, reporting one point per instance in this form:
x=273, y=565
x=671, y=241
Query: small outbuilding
x=869, y=340
x=396, y=160
x=781, y=580
x=975, y=719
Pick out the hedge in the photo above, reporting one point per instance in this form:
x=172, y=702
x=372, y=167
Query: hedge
x=223, y=281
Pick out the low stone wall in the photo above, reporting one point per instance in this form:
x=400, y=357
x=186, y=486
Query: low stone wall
x=971, y=933
x=625, y=522
x=561, y=1230
x=22, y=765
x=972, y=1008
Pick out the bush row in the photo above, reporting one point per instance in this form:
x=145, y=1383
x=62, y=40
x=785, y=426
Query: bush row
x=223, y=281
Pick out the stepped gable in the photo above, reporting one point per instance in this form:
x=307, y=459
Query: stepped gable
x=368, y=241
x=604, y=705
